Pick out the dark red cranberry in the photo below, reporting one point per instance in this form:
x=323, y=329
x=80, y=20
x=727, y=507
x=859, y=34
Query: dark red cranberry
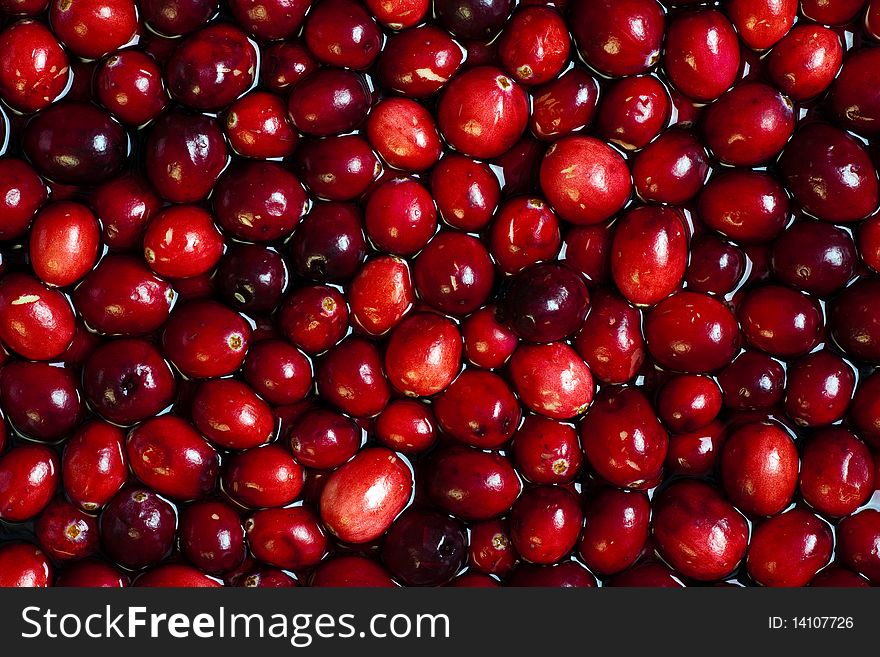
x=564, y=105
x=284, y=63
x=175, y=575
x=23, y=565
x=789, y=550
x=546, y=451
x=752, y=381
x=647, y=574
x=314, y=318
x=205, y=339
x=747, y=206
x=176, y=17
x=633, y=112
x=854, y=321
x=611, y=341
x=545, y=524
x=65, y=532
x=819, y=389
x=36, y=322
x=28, y=480
x=418, y=62
x=688, y=402
x=478, y=409
x=837, y=472
x=857, y=538
x=780, y=321
x=91, y=574
x=329, y=244
x=671, y=169
x=339, y=168
x=552, y=379
x=424, y=548
x=567, y=574
x=864, y=413
x=456, y=257
x=716, y=266
x=41, y=401
x=696, y=452
x=323, y=439
x=94, y=465
x=342, y=33
x=252, y=278
x=473, y=19
x=137, y=528
x=831, y=13
x=129, y=83
x=329, y=101
x=267, y=578
x=616, y=530
x=35, y=69
x=280, y=19
x=814, y=257
x=263, y=477
x=124, y=205
x=22, y=192
x=350, y=376
x=211, y=537
x=490, y=549
x=839, y=577
x=466, y=192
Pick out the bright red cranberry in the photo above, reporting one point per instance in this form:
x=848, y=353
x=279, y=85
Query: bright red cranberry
x=278, y=371
x=423, y=355
x=789, y=550
x=205, y=339
x=564, y=105
x=64, y=242
x=671, y=169
x=552, y=379
x=857, y=539
x=473, y=19
x=831, y=13
x=36, y=322
x=837, y=472
x=22, y=192
x=478, y=409
x=350, y=376
x=35, y=69
x=567, y=574
x=231, y=415
x=351, y=570
x=761, y=24
x=864, y=413
x=329, y=245
x=137, y=528
x=487, y=342
x=257, y=126
x=585, y=180
x=633, y=112
x=329, y=101
x=23, y=565
x=182, y=241
x=313, y=318
x=404, y=134
x=534, y=45
x=471, y=484
x=124, y=205
x=688, y=402
x=264, y=577
x=424, y=548
x=618, y=38
x=363, y=497
x=279, y=19
x=490, y=549
x=28, y=481
x=381, y=294
x=93, y=28
x=545, y=524
x=454, y=273
x=819, y=389
x=176, y=17
x=806, y=61
x=283, y=64
x=399, y=14
x=759, y=468
x=406, y=426
x=339, y=168
x=696, y=452
x=747, y=206
x=263, y=477
x=546, y=451
x=466, y=192
x=854, y=321
x=616, y=530
x=94, y=465
x=400, y=217
x=211, y=537
x=702, y=54
x=41, y=401
x=610, y=341
x=691, y=332
x=779, y=320
x=342, y=33
x=91, y=574
x=65, y=532
x=175, y=575
x=323, y=439
x=418, y=62
x=129, y=84
x=697, y=532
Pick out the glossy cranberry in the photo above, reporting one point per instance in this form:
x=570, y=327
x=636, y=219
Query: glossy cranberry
x=211, y=537
x=65, y=532
x=252, y=278
x=24, y=7
x=418, y=62
x=329, y=101
x=702, y=54
x=567, y=574
x=649, y=574
x=779, y=320
x=182, y=241
x=41, y=401
x=23, y=565
x=280, y=19
x=351, y=571
x=853, y=100
x=257, y=126
x=129, y=84
x=339, y=168
x=466, y=192
x=552, y=379
x=753, y=381
x=831, y=13
x=176, y=17
x=490, y=549
x=716, y=266
x=137, y=528
x=381, y=294
x=696, y=452
x=837, y=472
x=610, y=341
x=473, y=19
x=869, y=242
x=747, y=206
x=616, y=530
x=35, y=69
x=534, y=45
x=487, y=342
x=618, y=38
x=406, y=426
x=424, y=548
x=231, y=415
x=263, y=477
x=278, y=372
x=314, y=318
x=872, y=20
x=283, y=64
x=91, y=574
x=478, y=409
x=546, y=451
x=64, y=242
x=175, y=575
x=819, y=389
x=585, y=180
x=545, y=524
x=838, y=577
x=671, y=169
x=93, y=28
x=124, y=205
x=806, y=61
x=400, y=217
x=814, y=257
x=691, y=332
x=423, y=355
x=857, y=539
x=460, y=259
x=342, y=33
x=864, y=413
x=471, y=484
x=564, y=105
x=28, y=480
x=854, y=322
x=265, y=577
x=399, y=14
x=697, y=532
x=633, y=112
x=688, y=402
x=323, y=439
x=404, y=133
x=94, y=465
x=36, y=322
x=789, y=550
x=762, y=24
x=350, y=376
x=545, y=303
x=22, y=192
x=204, y=339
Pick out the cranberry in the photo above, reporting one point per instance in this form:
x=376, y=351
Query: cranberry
x=93, y=28
x=567, y=574
x=124, y=205
x=406, y=426
x=647, y=574
x=864, y=412
x=780, y=321
x=231, y=415
x=545, y=524
x=753, y=381
x=545, y=303
x=837, y=472
x=314, y=318
x=182, y=241
x=466, y=192
x=546, y=451
x=35, y=69
x=279, y=19
x=129, y=84
x=351, y=571
x=176, y=17
x=252, y=278
x=471, y=484
x=789, y=550
x=400, y=217
x=633, y=112
x=671, y=169
x=487, y=342
x=329, y=244
x=41, y=401
x=22, y=192
x=687, y=402
x=473, y=19
x=257, y=126
x=329, y=101
x=37, y=322
x=478, y=409
x=28, y=480
x=267, y=578
x=831, y=13
x=175, y=575
x=854, y=322
x=611, y=341
x=857, y=537
x=454, y=273
x=837, y=576
x=350, y=376
x=339, y=168
x=616, y=530
x=65, y=532
x=263, y=477
x=814, y=257
x=64, y=242
x=423, y=355
x=92, y=574
x=137, y=528
x=819, y=389
x=418, y=62
x=806, y=61
x=283, y=64
x=534, y=45
x=323, y=439
x=552, y=379
x=94, y=465
x=565, y=105
x=211, y=537
x=747, y=206
x=702, y=54
x=23, y=565
x=404, y=134
x=341, y=33
x=424, y=548
x=491, y=549
x=204, y=339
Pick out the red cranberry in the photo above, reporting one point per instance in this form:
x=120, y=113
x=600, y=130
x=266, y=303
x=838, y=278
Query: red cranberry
x=466, y=192
x=671, y=169
x=35, y=322
x=473, y=19
x=211, y=537
x=552, y=379
x=789, y=550
x=263, y=477
x=129, y=84
x=418, y=62
x=490, y=549
x=864, y=413
x=350, y=376
x=284, y=63
x=205, y=339
x=65, y=532
x=266, y=578
x=478, y=409
x=404, y=134
x=280, y=19
x=278, y=372
x=702, y=54
x=252, y=278
x=182, y=241
x=546, y=451
x=323, y=439
x=28, y=480
x=93, y=28
x=696, y=452
x=806, y=61
x=406, y=426
x=23, y=565
x=94, y=465
x=831, y=13
x=175, y=575
x=342, y=33
x=363, y=497
x=819, y=389
x=564, y=105
x=837, y=472
x=567, y=574
x=351, y=571
x=137, y=528
x=329, y=244
x=329, y=101
x=545, y=524
x=454, y=273
x=231, y=415
x=24, y=7
x=313, y=318
x=534, y=45
x=687, y=402
x=857, y=538
x=22, y=192
x=610, y=341
x=759, y=468
x=423, y=355
x=836, y=576
x=698, y=532
x=487, y=342
x=339, y=168
x=753, y=381
x=92, y=574
x=854, y=321
x=34, y=71
x=545, y=303
x=633, y=112
x=41, y=401
x=814, y=257
x=124, y=205
x=399, y=14
x=779, y=320
x=257, y=126
x=747, y=206
x=400, y=217
x=853, y=100
x=762, y=24
x=424, y=548
x=616, y=530
x=64, y=242
x=869, y=242
x=176, y=17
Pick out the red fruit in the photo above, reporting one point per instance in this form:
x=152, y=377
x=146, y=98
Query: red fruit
x=406, y=426
x=418, y=62
x=177, y=17
x=564, y=105
x=64, y=243
x=687, y=402
x=231, y=415
x=831, y=13
x=322, y=439
x=487, y=342
x=28, y=480
x=454, y=273
x=423, y=355
x=205, y=339
x=545, y=524
x=491, y=548
x=93, y=28
x=610, y=341
x=91, y=574
x=819, y=389
x=478, y=409
x=175, y=575
x=671, y=169
x=328, y=102
x=616, y=531
x=381, y=295
x=65, y=532
x=23, y=565
x=546, y=451
x=404, y=134
x=289, y=538
x=814, y=257
x=34, y=70
x=182, y=241
x=702, y=54
x=857, y=538
x=854, y=321
x=338, y=168
x=263, y=477
x=466, y=192
x=42, y=402
x=22, y=192
x=761, y=24
x=779, y=320
x=35, y=321
x=400, y=217
x=633, y=112
x=94, y=465
x=568, y=574
x=341, y=33
x=399, y=14
x=129, y=84
x=806, y=61
x=278, y=372
x=350, y=376
x=551, y=379
x=314, y=319
x=257, y=126
x=864, y=413
x=362, y=498
x=747, y=206
x=280, y=19
x=351, y=571
x=124, y=205
x=789, y=550
x=837, y=472
x=534, y=45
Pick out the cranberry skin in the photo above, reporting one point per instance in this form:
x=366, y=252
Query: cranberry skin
x=351, y=571
x=329, y=244
x=182, y=241
x=252, y=278
x=284, y=63
x=338, y=168
x=266, y=578
x=546, y=451
x=610, y=341
x=759, y=24
x=263, y=477
x=789, y=550
x=280, y=19
x=814, y=257
x=323, y=439
x=380, y=295
x=868, y=240
x=124, y=205
x=64, y=242
x=231, y=415
x=35, y=322
x=473, y=19
x=647, y=574
x=74, y=143
x=471, y=484
x=65, y=532
x=93, y=28
x=780, y=321
x=695, y=452
x=137, y=528
x=854, y=102
x=22, y=192
x=568, y=574
x=313, y=318
x=585, y=180
x=35, y=68
x=129, y=84
x=175, y=575
x=588, y=251
x=94, y=465
x=746, y=206
x=864, y=413
x=854, y=322
x=837, y=472
x=423, y=355
x=406, y=426
x=836, y=576
x=418, y=62
x=41, y=401
x=478, y=409
x=831, y=13
x=687, y=402
x=341, y=33
x=618, y=38
x=753, y=381
x=257, y=126
x=176, y=17
x=278, y=372
x=91, y=574
x=466, y=192
x=534, y=45
x=121, y=296
x=404, y=134
x=350, y=376
x=329, y=101
x=211, y=537
x=818, y=152
x=633, y=112
x=488, y=343
x=748, y=125
x=702, y=54
x=205, y=339
x=616, y=531
x=759, y=468
x=671, y=169
x=806, y=61
x=24, y=7
x=820, y=387
x=691, y=332
x=400, y=217
x=490, y=549
x=552, y=379
x=23, y=565
x=545, y=303
x=28, y=480
x=857, y=539
x=564, y=105
x=454, y=273
x=399, y=14
x=697, y=532
x=716, y=266
x=362, y=498
x=424, y=548
x=545, y=524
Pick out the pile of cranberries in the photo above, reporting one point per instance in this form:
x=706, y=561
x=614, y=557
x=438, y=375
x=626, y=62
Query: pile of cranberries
x=462, y=292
